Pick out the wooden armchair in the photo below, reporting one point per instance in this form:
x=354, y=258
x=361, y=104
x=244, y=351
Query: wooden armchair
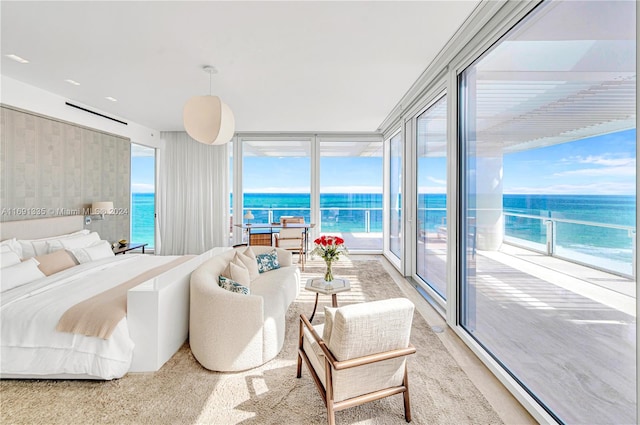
x=361, y=355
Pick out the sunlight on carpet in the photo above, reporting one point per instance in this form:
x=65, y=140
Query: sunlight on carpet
x=183, y=392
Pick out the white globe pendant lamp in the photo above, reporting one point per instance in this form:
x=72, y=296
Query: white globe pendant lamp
x=208, y=119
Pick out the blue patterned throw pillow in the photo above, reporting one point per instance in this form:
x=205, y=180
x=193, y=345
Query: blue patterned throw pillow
x=267, y=261
x=231, y=285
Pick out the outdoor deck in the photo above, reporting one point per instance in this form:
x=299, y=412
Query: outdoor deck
x=566, y=330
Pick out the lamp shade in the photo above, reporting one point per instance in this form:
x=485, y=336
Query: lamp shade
x=208, y=120
x=102, y=207
x=249, y=216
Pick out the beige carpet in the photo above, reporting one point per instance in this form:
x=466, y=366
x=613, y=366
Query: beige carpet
x=183, y=392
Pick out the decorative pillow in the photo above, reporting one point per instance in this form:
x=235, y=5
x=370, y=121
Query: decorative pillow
x=55, y=262
x=329, y=315
x=248, y=258
x=19, y=274
x=97, y=251
x=267, y=261
x=231, y=285
x=238, y=272
x=32, y=247
x=8, y=257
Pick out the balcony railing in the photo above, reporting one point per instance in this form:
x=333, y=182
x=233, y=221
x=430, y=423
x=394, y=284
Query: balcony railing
x=342, y=219
x=607, y=247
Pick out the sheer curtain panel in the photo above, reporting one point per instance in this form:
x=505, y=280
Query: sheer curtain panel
x=193, y=195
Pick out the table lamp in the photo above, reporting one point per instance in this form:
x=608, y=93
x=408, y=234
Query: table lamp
x=248, y=216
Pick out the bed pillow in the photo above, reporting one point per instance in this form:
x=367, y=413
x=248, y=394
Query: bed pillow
x=268, y=261
x=248, y=258
x=19, y=274
x=8, y=257
x=97, y=251
x=80, y=241
x=55, y=262
x=32, y=247
x=231, y=285
x=13, y=245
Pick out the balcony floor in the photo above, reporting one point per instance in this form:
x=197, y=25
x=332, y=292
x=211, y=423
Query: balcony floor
x=566, y=330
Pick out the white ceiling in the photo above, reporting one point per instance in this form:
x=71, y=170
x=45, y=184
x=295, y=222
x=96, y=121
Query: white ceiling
x=283, y=66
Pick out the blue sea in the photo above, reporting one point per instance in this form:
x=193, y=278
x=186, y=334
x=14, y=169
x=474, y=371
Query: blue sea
x=363, y=212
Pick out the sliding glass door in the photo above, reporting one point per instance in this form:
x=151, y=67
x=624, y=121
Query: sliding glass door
x=395, y=195
x=432, y=236
x=547, y=224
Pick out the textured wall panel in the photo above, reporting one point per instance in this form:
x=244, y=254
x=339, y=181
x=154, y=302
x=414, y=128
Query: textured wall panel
x=51, y=168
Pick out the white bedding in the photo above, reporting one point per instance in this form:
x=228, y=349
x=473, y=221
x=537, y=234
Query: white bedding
x=31, y=347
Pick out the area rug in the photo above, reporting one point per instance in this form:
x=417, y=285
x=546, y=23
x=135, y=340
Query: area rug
x=183, y=392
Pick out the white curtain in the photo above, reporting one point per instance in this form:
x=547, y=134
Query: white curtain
x=192, y=195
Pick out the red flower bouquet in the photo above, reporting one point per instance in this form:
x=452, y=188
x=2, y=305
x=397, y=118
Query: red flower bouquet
x=329, y=249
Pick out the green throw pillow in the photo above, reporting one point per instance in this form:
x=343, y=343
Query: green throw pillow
x=267, y=261
x=231, y=285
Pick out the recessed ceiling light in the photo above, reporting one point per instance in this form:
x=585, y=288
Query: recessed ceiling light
x=113, y=99
x=74, y=82
x=17, y=58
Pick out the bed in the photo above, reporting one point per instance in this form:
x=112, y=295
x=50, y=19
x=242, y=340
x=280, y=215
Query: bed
x=31, y=314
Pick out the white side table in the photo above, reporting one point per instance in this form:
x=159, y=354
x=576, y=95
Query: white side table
x=319, y=286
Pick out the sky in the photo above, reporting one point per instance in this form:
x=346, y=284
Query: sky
x=597, y=165
x=600, y=165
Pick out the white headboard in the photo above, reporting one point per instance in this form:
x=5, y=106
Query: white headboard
x=41, y=227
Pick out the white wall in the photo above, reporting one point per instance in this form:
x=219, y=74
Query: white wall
x=25, y=96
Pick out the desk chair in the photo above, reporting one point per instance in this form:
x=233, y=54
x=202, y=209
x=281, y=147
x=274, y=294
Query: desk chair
x=292, y=239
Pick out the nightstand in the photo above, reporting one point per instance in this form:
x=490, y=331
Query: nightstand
x=129, y=247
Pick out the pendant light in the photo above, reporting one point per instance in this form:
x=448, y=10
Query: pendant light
x=208, y=119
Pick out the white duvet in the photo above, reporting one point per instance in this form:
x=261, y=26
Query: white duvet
x=31, y=347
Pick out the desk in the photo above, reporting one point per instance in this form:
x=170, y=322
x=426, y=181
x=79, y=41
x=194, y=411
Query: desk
x=270, y=226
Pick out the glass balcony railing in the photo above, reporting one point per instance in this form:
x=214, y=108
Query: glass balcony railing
x=607, y=247
x=343, y=220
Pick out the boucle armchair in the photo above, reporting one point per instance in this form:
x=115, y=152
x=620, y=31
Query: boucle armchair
x=361, y=355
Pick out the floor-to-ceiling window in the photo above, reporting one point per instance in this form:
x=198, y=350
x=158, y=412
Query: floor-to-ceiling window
x=276, y=179
x=547, y=238
x=143, y=193
x=395, y=194
x=351, y=192
x=431, y=238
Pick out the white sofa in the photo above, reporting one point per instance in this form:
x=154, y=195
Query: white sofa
x=229, y=331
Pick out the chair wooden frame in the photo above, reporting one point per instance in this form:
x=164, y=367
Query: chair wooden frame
x=301, y=249
x=332, y=364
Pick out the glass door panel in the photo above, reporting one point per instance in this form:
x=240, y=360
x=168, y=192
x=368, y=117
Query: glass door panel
x=395, y=195
x=548, y=208
x=431, y=238
x=143, y=205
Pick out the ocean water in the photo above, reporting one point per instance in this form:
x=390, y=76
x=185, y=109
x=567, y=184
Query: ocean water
x=143, y=218
x=363, y=212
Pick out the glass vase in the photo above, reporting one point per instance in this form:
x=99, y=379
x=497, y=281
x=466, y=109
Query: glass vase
x=328, y=274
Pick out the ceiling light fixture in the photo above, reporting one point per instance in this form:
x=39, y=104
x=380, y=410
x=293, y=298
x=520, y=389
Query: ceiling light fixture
x=74, y=82
x=208, y=119
x=17, y=58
